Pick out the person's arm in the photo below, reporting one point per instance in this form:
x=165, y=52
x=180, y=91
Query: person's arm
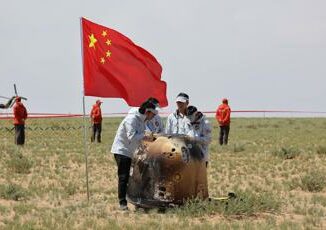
x=218, y=115
x=131, y=130
x=227, y=115
x=206, y=135
x=161, y=126
x=97, y=113
x=16, y=111
x=190, y=132
x=168, y=126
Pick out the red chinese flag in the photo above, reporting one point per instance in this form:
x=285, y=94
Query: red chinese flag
x=116, y=67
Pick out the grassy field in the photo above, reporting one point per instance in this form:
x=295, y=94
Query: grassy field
x=276, y=166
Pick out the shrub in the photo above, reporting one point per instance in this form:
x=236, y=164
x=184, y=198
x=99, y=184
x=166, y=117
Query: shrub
x=12, y=192
x=321, y=150
x=293, y=184
x=251, y=127
x=238, y=148
x=247, y=203
x=19, y=164
x=70, y=188
x=287, y=153
x=314, y=181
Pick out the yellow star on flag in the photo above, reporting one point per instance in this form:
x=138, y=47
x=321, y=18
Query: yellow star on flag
x=104, y=33
x=108, y=53
x=108, y=42
x=102, y=60
x=92, y=40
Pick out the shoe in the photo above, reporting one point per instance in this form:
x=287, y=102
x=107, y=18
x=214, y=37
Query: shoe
x=123, y=207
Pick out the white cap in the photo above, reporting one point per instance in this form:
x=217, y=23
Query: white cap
x=181, y=99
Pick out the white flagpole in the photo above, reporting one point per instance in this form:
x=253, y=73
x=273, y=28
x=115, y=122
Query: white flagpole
x=84, y=114
x=85, y=147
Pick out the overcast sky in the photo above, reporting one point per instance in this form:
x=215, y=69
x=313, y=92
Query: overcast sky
x=259, y=54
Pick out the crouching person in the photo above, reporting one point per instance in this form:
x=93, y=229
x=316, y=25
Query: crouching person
x=127, y=139
x=200, y=130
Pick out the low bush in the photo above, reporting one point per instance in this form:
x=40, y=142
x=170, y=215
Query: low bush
x=19, y=164
x=287, y=153
x=314, y=181
x=321, y=150
x=12, y=192
x=238, y=148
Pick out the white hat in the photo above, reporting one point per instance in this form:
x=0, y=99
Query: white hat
x=182, y=97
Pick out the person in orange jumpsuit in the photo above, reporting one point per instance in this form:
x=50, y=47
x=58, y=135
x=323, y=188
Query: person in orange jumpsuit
x=223, y=117
x=20, y=115
x=96, y=117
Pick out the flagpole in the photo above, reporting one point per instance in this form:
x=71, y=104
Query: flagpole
x=84, y=113
x=85, y=147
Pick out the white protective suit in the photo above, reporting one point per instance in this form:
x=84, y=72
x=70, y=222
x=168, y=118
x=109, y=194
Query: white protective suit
x=176, y=123
x=154, y=125
x=129, y=134
x=201, y=131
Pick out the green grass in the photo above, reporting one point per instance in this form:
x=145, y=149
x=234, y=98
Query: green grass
x=276, y=166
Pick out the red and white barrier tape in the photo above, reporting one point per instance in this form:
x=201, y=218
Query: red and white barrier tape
x=5, y=116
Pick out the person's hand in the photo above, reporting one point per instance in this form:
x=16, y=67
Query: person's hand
x=149, y=136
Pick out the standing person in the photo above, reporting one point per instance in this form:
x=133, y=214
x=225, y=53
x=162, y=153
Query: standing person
x=96, y=117
x=127, y=139
x=223, y=114
x=176, y=122
x=200, y=130
x=20, y=115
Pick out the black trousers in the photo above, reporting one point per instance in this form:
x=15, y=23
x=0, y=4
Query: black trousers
x=19, y=134
x=96, y=132
x=224, y=134
x=123, y=164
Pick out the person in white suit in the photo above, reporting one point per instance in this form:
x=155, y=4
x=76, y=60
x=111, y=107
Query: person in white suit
x=200, y=130
x=129, y=135
x=176, y=122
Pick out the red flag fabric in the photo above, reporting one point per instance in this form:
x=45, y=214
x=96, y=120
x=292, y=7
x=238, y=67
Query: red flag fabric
x=115, y=67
